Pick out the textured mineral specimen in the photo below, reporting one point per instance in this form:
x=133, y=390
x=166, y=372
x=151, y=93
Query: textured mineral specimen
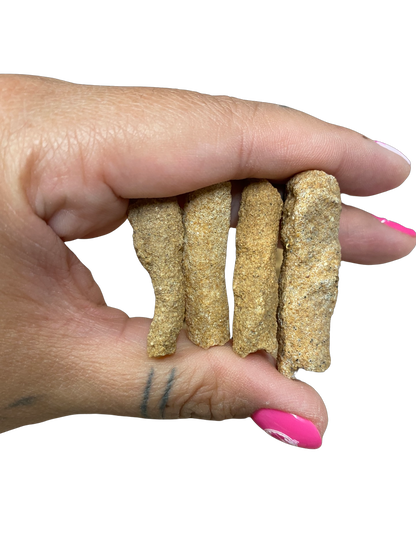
x=308, y=283
x=207, y=221
x=185, y=256
x=256, y=269
x=158, y=237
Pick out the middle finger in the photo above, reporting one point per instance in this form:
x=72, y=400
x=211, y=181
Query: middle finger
x=364, y=239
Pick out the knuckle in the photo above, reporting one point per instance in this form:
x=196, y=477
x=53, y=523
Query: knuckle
x=209, y=391
x=198, y=399
x=246, y=117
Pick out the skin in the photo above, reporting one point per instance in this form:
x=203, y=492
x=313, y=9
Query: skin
x=70, y=158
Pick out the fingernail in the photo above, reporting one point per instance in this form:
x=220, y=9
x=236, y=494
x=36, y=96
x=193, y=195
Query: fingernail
x=288, y=428
x=397, y=226
x=392, y=149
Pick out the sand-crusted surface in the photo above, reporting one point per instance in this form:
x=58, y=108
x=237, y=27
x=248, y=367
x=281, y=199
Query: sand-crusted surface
x=207, y=221
x=185, y=254
x=308, y=283
x=255, y=282
x=158, y=236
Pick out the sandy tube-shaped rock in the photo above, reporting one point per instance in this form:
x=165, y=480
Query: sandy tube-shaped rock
x=158, y=237
x=308, y=283
x=255, y=282
x=207, y=221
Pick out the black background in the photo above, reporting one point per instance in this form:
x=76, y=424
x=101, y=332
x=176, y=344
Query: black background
x=369, y=390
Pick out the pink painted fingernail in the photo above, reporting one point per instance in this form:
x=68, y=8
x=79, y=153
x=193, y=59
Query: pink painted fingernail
x=392, y=149
x=288, y=428
x=399, y=227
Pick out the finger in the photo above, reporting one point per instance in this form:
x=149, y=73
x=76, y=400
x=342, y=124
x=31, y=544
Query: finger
x=90, y=148
x=366, y=240
x=212, y=384
x=212, y=139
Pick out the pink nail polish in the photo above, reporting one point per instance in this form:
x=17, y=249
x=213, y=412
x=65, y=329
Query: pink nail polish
x=392, y=149
x=288, y=428
x=399, y=227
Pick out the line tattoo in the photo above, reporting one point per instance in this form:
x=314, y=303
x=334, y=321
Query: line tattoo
x=143, y=406
x=23, y=402
x=165, y=398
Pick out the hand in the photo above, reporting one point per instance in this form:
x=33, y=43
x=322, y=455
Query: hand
x=70, y=158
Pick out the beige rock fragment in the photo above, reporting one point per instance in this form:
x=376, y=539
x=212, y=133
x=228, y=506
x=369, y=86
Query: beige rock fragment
x=158, y=237
x=308, y=284
x=207, y=221
x=255, y=282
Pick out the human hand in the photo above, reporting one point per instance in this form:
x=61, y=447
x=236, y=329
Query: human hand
x=70, y=158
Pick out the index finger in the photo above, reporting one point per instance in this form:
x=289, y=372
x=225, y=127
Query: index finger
x=88, y=149
x=204, y=140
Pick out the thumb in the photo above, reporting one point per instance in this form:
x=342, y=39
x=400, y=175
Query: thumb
x=212, y=384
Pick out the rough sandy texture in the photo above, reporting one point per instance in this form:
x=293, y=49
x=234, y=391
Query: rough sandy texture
x=308, y=284
x=158, y=237
x=279, y=261
x=256, y=269
x=207, y=222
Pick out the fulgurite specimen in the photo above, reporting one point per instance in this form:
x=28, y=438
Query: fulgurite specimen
x=308, y=283
x=255, y=282
x=206, y=220
x=158, y=236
